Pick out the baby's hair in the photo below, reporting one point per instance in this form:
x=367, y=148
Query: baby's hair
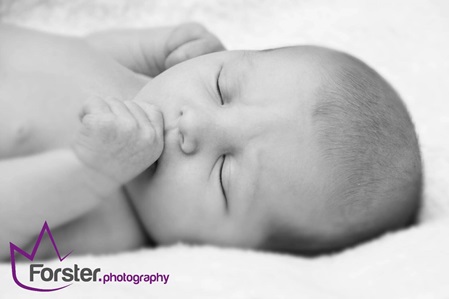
x=367, y=138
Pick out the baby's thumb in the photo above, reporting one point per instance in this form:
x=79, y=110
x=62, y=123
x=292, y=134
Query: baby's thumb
x=155, y=116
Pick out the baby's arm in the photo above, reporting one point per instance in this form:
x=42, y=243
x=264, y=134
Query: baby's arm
x=152, y=51
x=116, y=143
x=52, y=186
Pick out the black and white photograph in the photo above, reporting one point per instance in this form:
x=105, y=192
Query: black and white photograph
x=224, y=149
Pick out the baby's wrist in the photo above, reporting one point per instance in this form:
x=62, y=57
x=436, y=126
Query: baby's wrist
x=99, y=183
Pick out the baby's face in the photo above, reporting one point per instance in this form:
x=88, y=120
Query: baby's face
x=239, y=153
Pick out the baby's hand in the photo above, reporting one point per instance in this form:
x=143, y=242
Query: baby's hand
x=188, y=41
x=119, y=139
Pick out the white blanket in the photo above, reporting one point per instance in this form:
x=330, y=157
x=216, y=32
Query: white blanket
x=410, y=264
x=406, y=41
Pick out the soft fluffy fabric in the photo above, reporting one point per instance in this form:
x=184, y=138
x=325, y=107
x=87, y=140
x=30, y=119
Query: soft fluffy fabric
x=406, y=41
x=410, y=264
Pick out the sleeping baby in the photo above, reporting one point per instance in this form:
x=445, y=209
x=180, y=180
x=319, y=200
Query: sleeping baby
x=303, y=149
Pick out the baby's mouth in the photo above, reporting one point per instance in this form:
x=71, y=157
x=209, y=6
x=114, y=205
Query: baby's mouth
x=171, y=140
x=171, y=134
x=171, y=127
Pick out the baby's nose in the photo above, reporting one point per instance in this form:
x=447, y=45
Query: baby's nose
x=196, y=129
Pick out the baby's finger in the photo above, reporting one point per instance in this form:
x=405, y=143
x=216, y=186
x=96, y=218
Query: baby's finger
x=183, y=34
x=191, y=50
x=155, y=117
x=98, y=123
x=138, y=113
x=94, y=105
x=118, y=107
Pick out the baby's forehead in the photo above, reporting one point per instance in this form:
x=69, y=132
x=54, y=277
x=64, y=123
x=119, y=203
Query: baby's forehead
x=275, y=77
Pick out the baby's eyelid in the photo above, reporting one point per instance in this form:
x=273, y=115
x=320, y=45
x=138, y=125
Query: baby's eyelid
x=218, y=86
x=221, y=182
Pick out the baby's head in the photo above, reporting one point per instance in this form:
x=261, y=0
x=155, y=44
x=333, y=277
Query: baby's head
x=300, y=149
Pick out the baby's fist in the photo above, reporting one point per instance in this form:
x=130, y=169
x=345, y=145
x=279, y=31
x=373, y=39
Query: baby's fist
x=188, y=41
x=119, y=139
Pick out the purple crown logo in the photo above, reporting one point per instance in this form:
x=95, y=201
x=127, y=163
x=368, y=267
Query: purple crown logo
x=30, y=256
